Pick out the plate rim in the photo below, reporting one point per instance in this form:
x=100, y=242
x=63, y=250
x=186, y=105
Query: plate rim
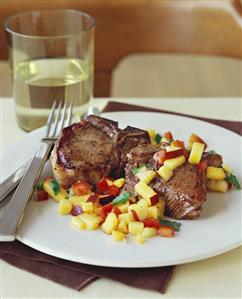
x=186, y=260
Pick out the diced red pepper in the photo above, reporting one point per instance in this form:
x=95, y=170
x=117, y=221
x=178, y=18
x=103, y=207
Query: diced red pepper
x=178, y=143
x=151, y=222
x=154, y=199
x=202, y=166
x=135, y=215
x=173, y=154
x=102, y=186
x=160, y=156
x=93, y=198
x=107, y=208
x=113, y=190
x=163, y=155
x=166, y=231
x=81, y=188
x=41, y=195
x=116, y=211
x=104, y=210
x=186, y=153
x=168, y=135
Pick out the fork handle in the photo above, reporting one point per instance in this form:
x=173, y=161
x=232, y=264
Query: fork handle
x=14, y=212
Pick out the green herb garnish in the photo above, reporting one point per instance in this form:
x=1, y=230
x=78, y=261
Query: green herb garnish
x=176, y=225
x=55, y=187
x=212, y=152
x=136, y=170
x=121, y=198
x=71, y=192
x=233, y=180
x=158, y=138
x=40, y=185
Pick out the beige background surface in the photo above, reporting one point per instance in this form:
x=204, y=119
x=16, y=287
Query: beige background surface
x=177, y=76
x=156, y=75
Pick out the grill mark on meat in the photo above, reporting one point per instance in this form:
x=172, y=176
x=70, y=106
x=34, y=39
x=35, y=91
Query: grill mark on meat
x=92, y=149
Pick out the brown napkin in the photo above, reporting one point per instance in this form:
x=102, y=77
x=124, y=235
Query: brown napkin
x=76, y=275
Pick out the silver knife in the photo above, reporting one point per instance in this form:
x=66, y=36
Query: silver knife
x=12, y=181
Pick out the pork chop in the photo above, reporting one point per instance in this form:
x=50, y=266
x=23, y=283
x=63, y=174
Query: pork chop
x=92, y=149
x=184, y=193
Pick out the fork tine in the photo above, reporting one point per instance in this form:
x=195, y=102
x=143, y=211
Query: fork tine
x=62, y=119
x=57, y=119
x=69, y=115
x=50, y=118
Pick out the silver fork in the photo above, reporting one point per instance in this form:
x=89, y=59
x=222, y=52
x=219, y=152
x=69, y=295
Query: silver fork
x=14, y=212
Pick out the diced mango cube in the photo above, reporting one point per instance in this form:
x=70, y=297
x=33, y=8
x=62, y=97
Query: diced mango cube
x=61, y=194
x=165, y=172
x=123, y=227
x=142, y=202
x=88, y=207
x=144, y=191
x=172, y=148
x=149, y=232
x=164, y=139
x=152, y=134
x=110, y=223
x=139, y=239
x=195, y=138
x=161, y=207
x=217, y=186
x=153, y=212
x=215, y=173
x=127, y=217
x=175, y=162
x=141, y=211
x=64, y=207
x=117, y=235
x=123, y=207
x=109, y=182
x=136, y=227
x=91, y=221
x=196, y=152
x=79, y=199
x=77, y=222
x=119, y=182
x=227, y=168
x=146, y=176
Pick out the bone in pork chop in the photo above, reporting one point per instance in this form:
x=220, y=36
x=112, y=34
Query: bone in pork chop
x=184, y=193
x=92, y=149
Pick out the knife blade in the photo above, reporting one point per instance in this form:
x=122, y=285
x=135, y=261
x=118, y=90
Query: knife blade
x=12, y=181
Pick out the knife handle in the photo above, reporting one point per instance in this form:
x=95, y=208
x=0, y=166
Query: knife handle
x=14, y=212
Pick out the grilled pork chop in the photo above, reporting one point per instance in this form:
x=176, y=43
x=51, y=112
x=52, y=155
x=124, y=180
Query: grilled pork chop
x=184, y=193
x=94, y=148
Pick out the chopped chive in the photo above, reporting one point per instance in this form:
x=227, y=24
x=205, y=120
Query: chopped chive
x=176, y=225
x=137, y=169
x=40, y=185
x=158, y=138
x=55, y=187
x=233, y=180
x=121, y=198
x=212, y=152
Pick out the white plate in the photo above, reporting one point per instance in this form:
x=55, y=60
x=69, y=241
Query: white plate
x=217, y=230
